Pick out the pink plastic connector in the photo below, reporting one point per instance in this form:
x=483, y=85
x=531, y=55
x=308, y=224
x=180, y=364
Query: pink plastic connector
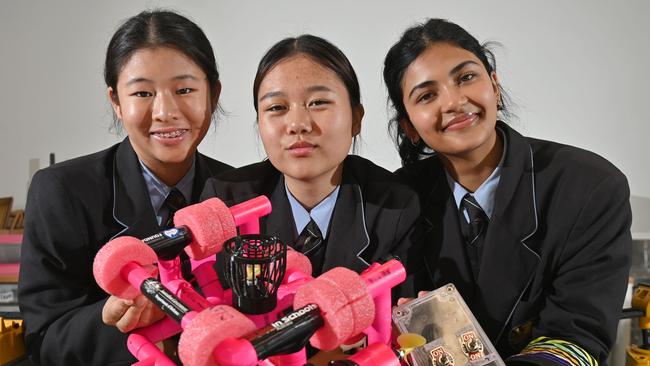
x=247, y=214
x=380, y=280
x=147, y=353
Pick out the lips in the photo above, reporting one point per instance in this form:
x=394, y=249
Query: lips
x=301, y=148
x=461, y=121
x=300, y=145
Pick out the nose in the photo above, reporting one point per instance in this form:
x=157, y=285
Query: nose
x=451, y=98
x=164, y=107
x=299, y=120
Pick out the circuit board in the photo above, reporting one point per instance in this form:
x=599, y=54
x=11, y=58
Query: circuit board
x=453, y=336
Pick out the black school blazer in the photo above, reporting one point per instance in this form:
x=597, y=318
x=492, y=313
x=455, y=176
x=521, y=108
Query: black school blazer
x=73, y=208
x=373, y=216
x=557, y=250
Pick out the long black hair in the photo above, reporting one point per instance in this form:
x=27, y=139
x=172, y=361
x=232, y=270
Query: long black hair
x=409, y=47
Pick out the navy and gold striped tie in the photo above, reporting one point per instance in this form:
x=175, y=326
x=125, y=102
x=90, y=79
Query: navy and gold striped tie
x=311, y=243
x=478, y=220
x=174, y=202
x=473, y=226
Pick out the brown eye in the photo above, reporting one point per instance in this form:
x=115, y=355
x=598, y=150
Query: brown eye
x=426, y=97
x=318, y=102
x=466, y=77
x=184, y=91
x=274, y=108
x=141, y=94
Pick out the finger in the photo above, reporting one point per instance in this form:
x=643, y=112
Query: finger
x=403, y=300
x=150, y=315
x=141, y=302
x=156, y=311
x=114, y=309
x=422, y=293
x=130, y=319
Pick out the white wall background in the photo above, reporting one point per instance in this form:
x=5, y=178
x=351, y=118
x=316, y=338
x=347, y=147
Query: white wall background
x=578, y=70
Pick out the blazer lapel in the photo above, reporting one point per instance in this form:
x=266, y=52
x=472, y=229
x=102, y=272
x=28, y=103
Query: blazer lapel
x=348, y=237
x=442, y=245
x=508, y=261
x=202, y=172
x=453, y=264
x=131, y=205
x=280, y=222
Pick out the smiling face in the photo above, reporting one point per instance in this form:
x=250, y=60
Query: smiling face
x=165, y=104
x=451, y=102
x=306, y=121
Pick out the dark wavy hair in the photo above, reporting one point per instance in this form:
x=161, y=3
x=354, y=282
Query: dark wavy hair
x=409, y=47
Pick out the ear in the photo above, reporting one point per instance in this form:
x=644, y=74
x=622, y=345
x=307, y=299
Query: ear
x=409, y=130
x=495, y=86
x=357, y=116
x=115, y=102
x=215, y=96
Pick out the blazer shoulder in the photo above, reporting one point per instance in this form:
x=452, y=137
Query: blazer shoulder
x=215, y=167
x=93, y=170
x=239, y=184
x=251, y=172
x=377, y=183
x=571, y=161
x=422, y=174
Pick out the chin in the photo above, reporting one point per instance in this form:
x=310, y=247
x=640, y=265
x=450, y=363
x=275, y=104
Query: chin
x=174, y=158
x=299, y=175
x=302, y=175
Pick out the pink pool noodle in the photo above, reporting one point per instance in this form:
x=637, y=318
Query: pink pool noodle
x=298, y=262
x=359, y=299
x=113, y=256
x=337, y=315
x=210, y=223
x=207, y=330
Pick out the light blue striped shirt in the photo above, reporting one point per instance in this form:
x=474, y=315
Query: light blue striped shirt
x=158, y=190
x=321, y=213
x=485, y=194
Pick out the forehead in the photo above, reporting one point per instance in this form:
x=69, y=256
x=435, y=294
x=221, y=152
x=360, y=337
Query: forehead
x=159, y=63
x=298, y=72
x=436, y=62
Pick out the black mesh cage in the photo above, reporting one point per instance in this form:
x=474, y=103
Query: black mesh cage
x=255, y=266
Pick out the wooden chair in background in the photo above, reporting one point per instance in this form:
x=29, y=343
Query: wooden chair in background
x=11, y=222
x=16, y=218
x=5, y=210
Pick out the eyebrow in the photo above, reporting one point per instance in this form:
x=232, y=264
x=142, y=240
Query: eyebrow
x=137, y=80
x=185, y=77
x=453, y=71
x=270, y=95
x=316, y=88
x=311, y=89
x=145, y=80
